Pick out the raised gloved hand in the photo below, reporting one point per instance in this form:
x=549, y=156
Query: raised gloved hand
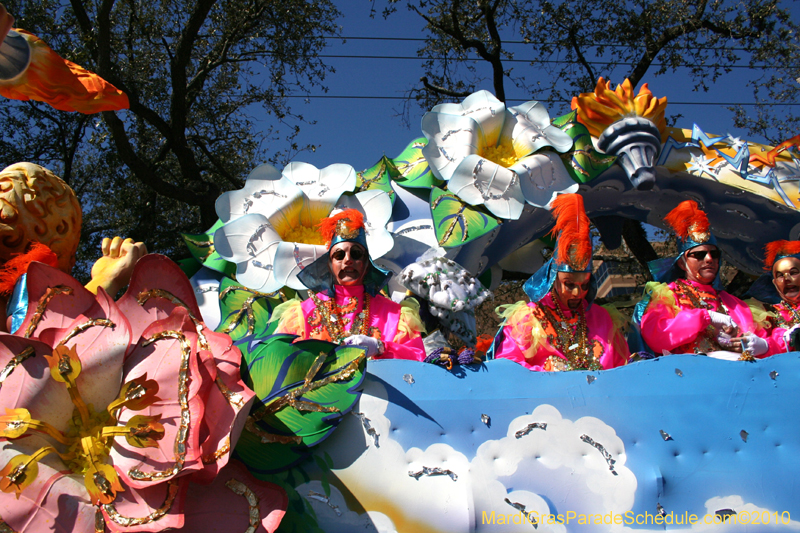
x=754, y=344
x=374, y=346
x=720, y=320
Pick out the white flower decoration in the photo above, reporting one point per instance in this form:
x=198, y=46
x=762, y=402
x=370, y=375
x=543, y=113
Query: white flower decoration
x=486, y=153
x=270, y=224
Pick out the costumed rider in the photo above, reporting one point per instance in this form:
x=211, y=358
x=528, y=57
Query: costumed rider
x=778, y=295
x=560, y=329
x=345, y=307
x=41, y=222
x=684, y=311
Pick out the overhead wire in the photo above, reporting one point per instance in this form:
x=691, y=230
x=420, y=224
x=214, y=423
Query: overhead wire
x=541, y=61
x=547, y=100
x=604, y=45
x=604, y=63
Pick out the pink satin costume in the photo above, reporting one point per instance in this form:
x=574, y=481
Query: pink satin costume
x=397, y=326
x=532, y=343
x=672, y=323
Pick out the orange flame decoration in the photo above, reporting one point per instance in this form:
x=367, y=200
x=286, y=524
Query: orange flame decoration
x=61, y=83
x=603, y=107
x=769, y=159
x=777, y=249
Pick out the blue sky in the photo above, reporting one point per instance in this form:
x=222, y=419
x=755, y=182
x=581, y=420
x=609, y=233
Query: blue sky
x=358, y=131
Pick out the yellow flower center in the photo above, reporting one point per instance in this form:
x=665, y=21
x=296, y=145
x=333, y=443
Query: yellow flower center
x=86, y=444
x=503, y=154
x=79, y=460
x=303, y=234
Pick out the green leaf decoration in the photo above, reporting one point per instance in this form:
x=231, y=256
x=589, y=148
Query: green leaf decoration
x=303, y=389
x=379, y=176
x=583, y=162
x=457, y=223
x=263, y=457
x=201, y=246
x=563, y=120
x=412, y=168
x=246, y=312
x=190, y=266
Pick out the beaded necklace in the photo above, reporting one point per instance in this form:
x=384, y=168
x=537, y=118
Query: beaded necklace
x=697, y=298
x=700, y=299
x=793, y=310
x=331, y=316
x=572, y=341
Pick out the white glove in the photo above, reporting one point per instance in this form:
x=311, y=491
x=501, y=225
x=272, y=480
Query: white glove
x=719, y=320
x=724, y=340
x=373, y=346
x=755, y=344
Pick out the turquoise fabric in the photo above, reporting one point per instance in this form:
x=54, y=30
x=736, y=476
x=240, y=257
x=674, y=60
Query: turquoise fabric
x=17, y=306
x=540, y=283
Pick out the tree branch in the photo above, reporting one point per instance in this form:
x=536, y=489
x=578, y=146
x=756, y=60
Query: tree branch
x=441, y=90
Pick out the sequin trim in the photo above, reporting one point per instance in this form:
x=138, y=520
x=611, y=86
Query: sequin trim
x=125, y=521
x=241, y=489
x=44, y=301
x=247, y=308
x=99, y=521
x=17, y=360
x=77, y=330
x=185, y=419
x=160, y=293
x=250, y=425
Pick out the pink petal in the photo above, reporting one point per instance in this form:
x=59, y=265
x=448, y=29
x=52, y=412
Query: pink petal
x=216, y=508
x=161, y=361
x=226, y=410
x=101, y=350
x=29, y=385
x=54, y=502
x=62, y=308
x=153, y=272
x=158, y=507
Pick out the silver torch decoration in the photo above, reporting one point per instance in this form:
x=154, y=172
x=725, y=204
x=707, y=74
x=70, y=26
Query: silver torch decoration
x=636, y=142
x=15, y=53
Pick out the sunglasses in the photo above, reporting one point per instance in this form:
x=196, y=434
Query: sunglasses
x=356, y=254
x=715, y=254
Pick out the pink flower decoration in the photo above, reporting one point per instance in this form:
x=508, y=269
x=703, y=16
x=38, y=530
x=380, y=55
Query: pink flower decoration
x=139, y=402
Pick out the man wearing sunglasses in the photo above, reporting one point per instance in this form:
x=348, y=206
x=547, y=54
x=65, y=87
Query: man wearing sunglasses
x=684, y=311
x=345, y=306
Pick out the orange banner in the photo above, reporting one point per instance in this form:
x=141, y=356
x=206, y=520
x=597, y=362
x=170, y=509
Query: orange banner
x=61, y=83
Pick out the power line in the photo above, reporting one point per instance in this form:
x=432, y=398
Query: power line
x=544, y=43
x=554, y=61
x=547, y=100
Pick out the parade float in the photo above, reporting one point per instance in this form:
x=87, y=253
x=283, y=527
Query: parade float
x=178, y=406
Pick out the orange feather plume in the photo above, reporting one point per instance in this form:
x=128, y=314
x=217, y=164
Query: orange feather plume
x=18, y=265
x=345, y=222
x=572, y=231
x=688, y=220
x=777, y=249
